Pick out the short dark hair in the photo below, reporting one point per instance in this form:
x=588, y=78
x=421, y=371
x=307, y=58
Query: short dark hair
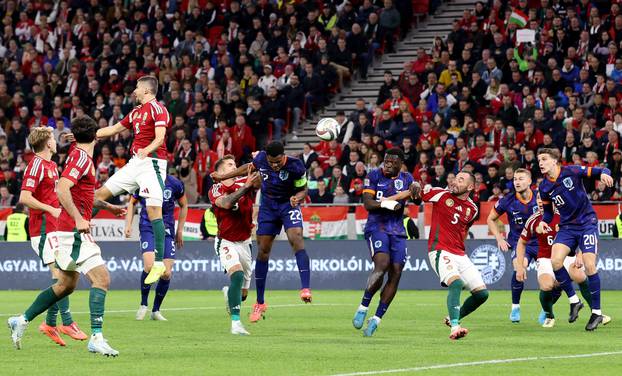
x=84, y=129
x=553, y=152
x=275, y=149
x=222, y=160
x=152, y=83
x=396, y=152
x=523, y=171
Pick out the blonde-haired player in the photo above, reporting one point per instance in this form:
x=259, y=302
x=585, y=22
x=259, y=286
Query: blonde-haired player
x=146, y=171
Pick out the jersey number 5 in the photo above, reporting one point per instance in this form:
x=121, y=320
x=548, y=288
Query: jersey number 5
x=456, y=219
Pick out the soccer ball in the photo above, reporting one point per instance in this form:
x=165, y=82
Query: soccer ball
x=327, y=129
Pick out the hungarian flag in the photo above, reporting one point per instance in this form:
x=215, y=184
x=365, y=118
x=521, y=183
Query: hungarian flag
x=519, y=18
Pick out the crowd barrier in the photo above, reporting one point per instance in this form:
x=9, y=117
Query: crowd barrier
x=335, y=265
x=325, y=222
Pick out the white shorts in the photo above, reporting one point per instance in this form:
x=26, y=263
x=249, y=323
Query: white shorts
x=236, y=253
x=447, y=265
x=43, y=250
x=545, y=266
x=75, y=252
x=146, y=175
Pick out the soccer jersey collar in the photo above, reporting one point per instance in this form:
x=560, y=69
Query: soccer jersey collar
x=525, y=202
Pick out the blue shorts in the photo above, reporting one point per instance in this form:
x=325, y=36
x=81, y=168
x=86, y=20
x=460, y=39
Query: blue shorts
x=393, y=245
x=273, y=216
x=147, y=243
x=585, y=238
x=531, y=253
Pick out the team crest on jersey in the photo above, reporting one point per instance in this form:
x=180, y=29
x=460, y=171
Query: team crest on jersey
x=283, y=175
x=398, y=184
x=567, y=182
x=50, y=174
x=74, y=173
x=378, y=244
x=30, y=183
x=167, y=194
x=449, y=202
x=145, y=245
x=490, y=262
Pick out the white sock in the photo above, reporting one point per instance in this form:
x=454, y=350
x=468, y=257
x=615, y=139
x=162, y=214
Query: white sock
x=573, y=299
x=597, y=311
x=363, y=308
x=515, y=306
x=454, y=328
x=377, y=318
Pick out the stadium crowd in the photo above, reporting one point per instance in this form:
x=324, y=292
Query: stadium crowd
x=481, y=101
x=233, y=73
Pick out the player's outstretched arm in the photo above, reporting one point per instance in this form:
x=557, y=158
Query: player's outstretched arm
x=117, y=210
x=64, y=196
x=129, y=216
x=160, y=135
x=521, y=274
x=110, y=131
x=370, y=203
x=240, y=171
x=181, y=221
x=228, y=201
x=603, y=174
x=26, y=198
x=492, y=219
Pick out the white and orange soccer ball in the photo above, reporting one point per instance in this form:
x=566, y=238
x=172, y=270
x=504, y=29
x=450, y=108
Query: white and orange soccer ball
x=327, y=129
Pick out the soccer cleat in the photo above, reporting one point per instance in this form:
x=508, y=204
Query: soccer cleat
x=99, y=345
x=238, y=329
x=156, y=272
x=17, y=326
x=372, y=325
x=542, y=317
x=225, y=292
x=157, y=316
x=574, y=311
x=359, y=318
x=258, y=312
x=52, y=333
x=594, y=321
x=515, y=315
x=548, y=323
x=72, y=330
x=142, y=312
x=458, y=333
x=606, y=319
x=305, y=295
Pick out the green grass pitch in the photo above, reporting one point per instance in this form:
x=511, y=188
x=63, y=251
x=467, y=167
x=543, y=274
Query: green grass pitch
x=318, y=339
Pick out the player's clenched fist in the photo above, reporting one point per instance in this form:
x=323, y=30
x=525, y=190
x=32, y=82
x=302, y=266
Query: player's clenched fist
x=83, y=226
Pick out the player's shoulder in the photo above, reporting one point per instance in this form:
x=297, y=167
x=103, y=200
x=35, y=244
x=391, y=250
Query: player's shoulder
x=173, y=182
x=260, y=158
x=295, y=163
x=406, y=176
x=156, y=106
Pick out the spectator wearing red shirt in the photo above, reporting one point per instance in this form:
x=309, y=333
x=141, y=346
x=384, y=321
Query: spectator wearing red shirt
x=242, y=136
x=393, y=104
x=428, y=134
x=532, y=138
x=418, y=66
x=478, y=151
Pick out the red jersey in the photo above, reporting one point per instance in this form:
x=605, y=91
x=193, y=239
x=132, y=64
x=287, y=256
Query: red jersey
x=41, y=178
x=451, y=219
x=234, y=224
x=545, y=241
x=80, y=169
x=143, y=120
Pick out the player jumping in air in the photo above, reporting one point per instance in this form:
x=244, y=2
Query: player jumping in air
x=453, y=212
x=385, y=194
x=39, y=194
x=75, y=250
x=283, y=188
x=233, y=206
x=519, y=206
x=146, y=171
x=578, y=224
x=549, y=291
x=173, y=191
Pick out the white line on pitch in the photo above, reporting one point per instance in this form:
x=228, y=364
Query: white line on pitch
x=478, y=363
x=200, y=308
